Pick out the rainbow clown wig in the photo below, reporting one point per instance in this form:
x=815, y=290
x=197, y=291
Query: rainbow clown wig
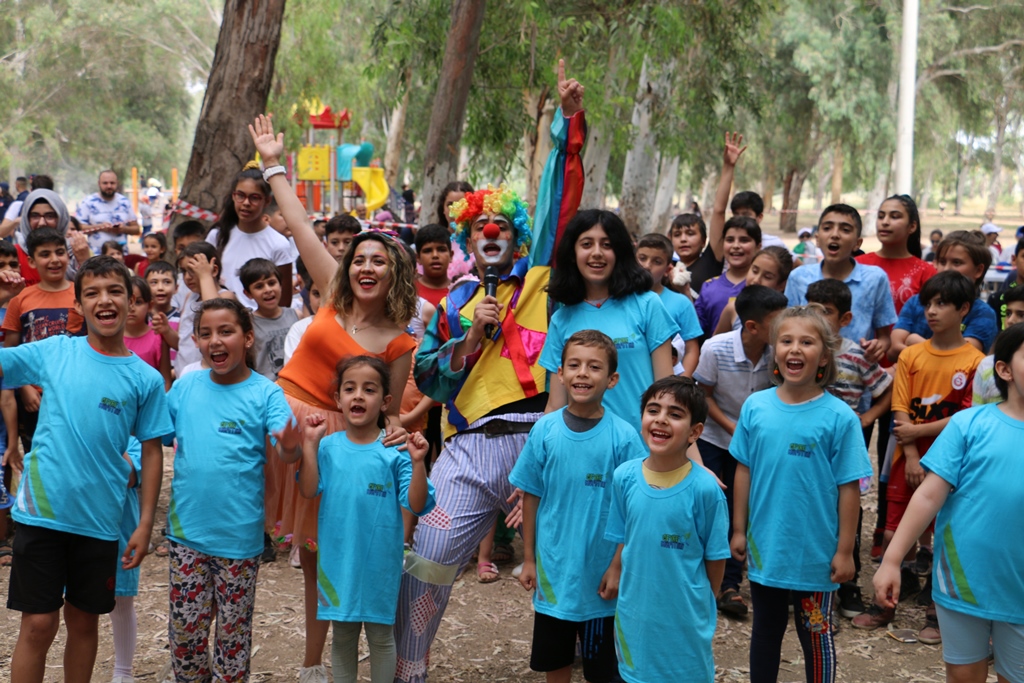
x=492, y=200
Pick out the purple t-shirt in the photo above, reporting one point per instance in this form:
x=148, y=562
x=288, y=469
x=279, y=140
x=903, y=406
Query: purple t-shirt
x=714, y=296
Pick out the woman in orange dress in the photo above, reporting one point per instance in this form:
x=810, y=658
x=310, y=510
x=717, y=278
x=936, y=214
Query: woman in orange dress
x=369, y=299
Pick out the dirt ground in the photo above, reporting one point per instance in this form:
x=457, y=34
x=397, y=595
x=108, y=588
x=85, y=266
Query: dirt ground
x=485, y=635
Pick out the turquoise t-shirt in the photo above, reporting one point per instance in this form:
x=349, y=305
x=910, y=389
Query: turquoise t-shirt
x=571, y=472
x=666, y=613
x=127, y=581
x=795, y=474
x=978, y=569
x=637, y=323
x=682, y=311
x=217, y=491
x=76, y=477
x=359, y=559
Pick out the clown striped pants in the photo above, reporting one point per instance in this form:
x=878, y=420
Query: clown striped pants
x=471, y=483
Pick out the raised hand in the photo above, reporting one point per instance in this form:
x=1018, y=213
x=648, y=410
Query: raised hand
x=271, y=148
x=158, y=321
x=733, y=151
x=11, y=283
x=315, y=427
x=289, y=437
x=570, y=92
x=417, y=447
x=199, y=265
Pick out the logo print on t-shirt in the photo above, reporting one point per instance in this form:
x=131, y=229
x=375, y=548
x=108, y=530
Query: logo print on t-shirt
x=378, y=490
x=959, y=380
x=596, y=480
x=229, y=427
x=674, y=541
x=803, y=450
x=110, y=405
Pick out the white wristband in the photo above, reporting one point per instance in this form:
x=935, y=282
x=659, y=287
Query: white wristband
x=273, y=171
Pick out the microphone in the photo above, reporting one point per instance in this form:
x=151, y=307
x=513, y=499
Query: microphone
x=490, y=289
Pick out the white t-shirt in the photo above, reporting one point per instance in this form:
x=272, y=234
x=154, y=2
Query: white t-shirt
x=14, y=210
x=291, y=342
x=241, y=247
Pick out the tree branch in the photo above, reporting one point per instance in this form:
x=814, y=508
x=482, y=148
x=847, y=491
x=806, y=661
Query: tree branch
x=963, y=10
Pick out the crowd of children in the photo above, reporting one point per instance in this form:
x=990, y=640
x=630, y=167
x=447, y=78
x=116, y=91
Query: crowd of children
x=685, y=407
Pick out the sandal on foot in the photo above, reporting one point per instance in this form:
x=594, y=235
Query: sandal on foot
x=6, y=555
x=487, y=572
x=730, y=602
x=503, y=553
x=162, y=550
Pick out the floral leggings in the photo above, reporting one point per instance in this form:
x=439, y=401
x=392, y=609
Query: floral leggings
x=198, y=581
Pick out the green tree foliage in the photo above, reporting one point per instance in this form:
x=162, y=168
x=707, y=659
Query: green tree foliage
x=83, y=89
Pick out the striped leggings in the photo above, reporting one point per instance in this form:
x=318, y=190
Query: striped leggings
x=471, y=482
x=812, y=613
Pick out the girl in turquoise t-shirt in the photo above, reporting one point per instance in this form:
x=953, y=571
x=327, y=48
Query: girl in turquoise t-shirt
x=975, y=483
x=365, y=485
x=222, y=418
x=601, y=286
x=797, y=496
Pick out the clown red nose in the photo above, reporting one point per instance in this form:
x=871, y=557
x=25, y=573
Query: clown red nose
x=491, y=231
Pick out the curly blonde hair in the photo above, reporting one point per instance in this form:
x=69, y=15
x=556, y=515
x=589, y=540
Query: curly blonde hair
x=402, y=299
x=815, y=315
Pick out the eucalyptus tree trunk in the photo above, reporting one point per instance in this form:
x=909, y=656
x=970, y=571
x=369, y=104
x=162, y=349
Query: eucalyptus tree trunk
x=537, y=139
x=995, y=185
x=639, y=177
x=396, y=134
x=236, y=92
x=668, y=177
x=448, y=115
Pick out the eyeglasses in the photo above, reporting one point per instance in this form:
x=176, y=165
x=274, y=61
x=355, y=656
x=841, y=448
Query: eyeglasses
x=254, y=198
x=49, y=217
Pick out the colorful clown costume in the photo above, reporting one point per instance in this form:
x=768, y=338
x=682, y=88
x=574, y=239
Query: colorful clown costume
x=492, y=400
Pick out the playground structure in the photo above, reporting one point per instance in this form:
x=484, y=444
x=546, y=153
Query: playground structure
x=337, y=177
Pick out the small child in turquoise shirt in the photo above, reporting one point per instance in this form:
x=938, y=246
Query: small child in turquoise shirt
x=365, y=485
x=565, y=473
x=671, y=520
x=797, y=496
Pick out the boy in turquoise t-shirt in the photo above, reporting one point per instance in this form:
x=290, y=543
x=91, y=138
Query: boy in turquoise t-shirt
x=564, y=472
x=672, y=522
x=95, y=395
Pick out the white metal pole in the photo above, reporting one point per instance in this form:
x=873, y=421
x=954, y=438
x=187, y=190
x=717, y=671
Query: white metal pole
x=908, y=91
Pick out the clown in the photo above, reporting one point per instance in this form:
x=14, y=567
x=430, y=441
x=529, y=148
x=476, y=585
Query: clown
x=479, y=357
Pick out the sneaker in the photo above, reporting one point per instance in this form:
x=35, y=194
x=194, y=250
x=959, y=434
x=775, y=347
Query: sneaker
x=122, y=679
x=850, y=601
x=313, y=674
x=874, y=617
x=518, y=570
x=924, y=598
x=876, y=545
x=909, y=583
x=294, y=559
x=923, y=564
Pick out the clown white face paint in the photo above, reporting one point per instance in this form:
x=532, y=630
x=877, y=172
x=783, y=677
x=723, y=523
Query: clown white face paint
x=492, y=237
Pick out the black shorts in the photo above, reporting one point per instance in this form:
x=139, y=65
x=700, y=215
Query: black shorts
x=50, y=566
x=554, y=646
